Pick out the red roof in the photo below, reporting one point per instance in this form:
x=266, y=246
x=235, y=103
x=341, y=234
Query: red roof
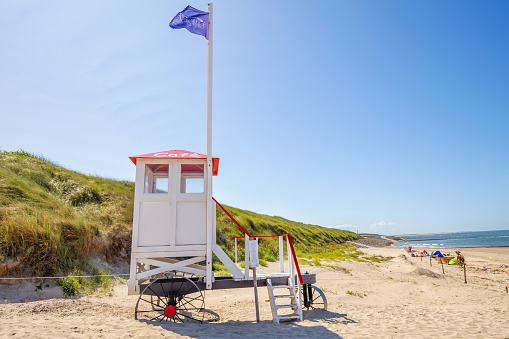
x=178, y=154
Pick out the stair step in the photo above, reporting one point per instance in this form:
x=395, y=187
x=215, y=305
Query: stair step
x=296, y=313
x=284, y=296
x=286, y=306
x=289, y=316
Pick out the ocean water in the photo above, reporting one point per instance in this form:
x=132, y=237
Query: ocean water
x=458, y=239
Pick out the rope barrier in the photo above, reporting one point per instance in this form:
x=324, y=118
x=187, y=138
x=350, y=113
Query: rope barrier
x=68, y=276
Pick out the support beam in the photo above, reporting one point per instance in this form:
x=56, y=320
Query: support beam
x=225, y=259
x=169, y=267
x=193, y=269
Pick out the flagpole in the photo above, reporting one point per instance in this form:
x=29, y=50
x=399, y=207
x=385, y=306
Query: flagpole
x=210, y=207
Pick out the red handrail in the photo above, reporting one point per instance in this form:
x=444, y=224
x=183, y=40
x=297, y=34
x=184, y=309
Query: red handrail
x=267, y=236
x=291, y=248
x=231, y=217
x=295, y=259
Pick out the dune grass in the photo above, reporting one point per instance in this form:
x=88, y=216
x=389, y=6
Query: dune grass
x=53, y=219
x=308, y=239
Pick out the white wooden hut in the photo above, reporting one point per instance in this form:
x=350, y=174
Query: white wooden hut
x=170, y=217
x=174, y=229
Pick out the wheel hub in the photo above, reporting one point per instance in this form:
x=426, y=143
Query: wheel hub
x=170, y=311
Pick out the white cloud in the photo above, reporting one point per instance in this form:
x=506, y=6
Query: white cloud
x=346, y=226
x=382, y=225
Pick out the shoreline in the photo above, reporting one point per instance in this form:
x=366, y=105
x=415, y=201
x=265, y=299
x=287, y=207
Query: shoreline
x=468, y=239
x=438, y=248
x=378, y=240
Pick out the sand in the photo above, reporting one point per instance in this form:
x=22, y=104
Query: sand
x=400, y=298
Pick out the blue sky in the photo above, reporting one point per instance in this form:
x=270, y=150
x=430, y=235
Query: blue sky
x=388, y=117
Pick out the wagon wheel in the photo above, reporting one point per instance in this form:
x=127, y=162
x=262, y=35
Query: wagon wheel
x=154, y=300
x=313, y=297
x=174, y=298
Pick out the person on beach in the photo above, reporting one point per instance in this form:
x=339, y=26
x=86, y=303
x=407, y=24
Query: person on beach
x=460, y=258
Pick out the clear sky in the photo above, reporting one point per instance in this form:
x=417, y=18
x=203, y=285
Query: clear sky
x=377, y=116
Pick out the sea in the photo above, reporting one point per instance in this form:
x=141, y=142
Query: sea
x=454, y=240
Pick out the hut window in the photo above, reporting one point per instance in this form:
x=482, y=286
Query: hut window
x=156, y=178
x=192, y=178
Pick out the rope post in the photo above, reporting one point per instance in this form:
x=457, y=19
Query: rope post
x=465, y=271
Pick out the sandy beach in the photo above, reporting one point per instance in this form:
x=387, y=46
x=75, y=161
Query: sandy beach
x=402, y=297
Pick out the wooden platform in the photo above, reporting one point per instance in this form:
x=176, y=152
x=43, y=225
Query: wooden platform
x=226, y=282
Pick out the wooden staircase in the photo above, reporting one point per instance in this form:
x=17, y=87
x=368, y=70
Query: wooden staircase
x=295, y=305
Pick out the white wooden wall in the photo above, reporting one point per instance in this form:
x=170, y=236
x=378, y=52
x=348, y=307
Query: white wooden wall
x=167, y=225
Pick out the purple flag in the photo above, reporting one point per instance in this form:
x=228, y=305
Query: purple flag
x=193, y=20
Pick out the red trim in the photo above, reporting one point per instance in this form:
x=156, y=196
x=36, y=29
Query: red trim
x=263, y=236
x=178, y=154
x=267, y=236
x=295, y=259
x=235, y=221
x=291, y=248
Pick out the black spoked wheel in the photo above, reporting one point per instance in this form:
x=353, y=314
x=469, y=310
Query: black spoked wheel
x=313, y=297
x=172, y=298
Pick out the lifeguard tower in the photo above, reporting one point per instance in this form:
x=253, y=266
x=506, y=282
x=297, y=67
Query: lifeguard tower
x=173, y=240
x=170, y=217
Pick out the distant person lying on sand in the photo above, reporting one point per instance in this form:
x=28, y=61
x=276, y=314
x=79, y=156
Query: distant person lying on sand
x=415, y=253
x=459, y=260
x=424, y=253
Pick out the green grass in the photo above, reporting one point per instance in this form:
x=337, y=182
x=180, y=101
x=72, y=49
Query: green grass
x=338, y=268
x=71, y=284
x=53, y=220
x=309, y=239
x=315, y=254
x=377, y=258
x=75, y=283
x=357, y=294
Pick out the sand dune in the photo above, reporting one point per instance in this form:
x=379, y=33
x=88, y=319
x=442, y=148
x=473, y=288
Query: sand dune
x=404, y=297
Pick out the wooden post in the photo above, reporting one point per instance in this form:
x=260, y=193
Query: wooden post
x=246, y=256
x=253, y=255
x=442, y=266
x=255, y=284
x=430, y=260
x=465, y=271
x=281, y=256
